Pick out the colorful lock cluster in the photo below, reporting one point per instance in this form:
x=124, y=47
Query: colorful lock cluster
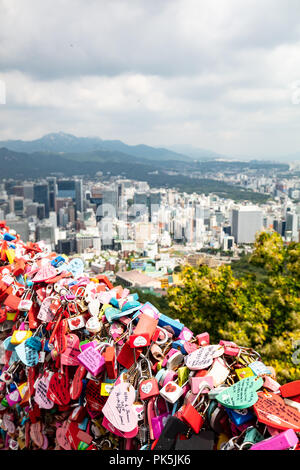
x=84, y=365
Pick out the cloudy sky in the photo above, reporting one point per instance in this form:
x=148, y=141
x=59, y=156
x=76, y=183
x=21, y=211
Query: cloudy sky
x=220, y=74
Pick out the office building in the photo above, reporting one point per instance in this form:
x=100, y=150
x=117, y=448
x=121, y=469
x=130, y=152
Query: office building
x=247, y=221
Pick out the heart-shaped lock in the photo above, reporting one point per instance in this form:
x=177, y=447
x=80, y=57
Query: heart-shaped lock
x=58, y=390
x=36, y=433
x=94, y=307
x=8, y=424
x=61, y=437
x=41, y=390
x=45, y=314
x=92, y=395
x=29, y=356
x=76, y=267
x=202, y=358
x=126, y=435
x=119, y=408
x=271, y=410
x=242, y=394
x=93, y=325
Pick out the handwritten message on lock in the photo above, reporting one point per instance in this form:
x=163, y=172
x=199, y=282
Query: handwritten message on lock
x=119, y=409
x=271, y=410
x=242, y=394
x=203, y=357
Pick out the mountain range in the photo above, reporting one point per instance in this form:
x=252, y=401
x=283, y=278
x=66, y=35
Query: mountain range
x=67, y=143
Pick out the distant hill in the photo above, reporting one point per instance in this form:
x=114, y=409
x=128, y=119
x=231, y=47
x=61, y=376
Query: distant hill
x=21, y=165
x=67, y=143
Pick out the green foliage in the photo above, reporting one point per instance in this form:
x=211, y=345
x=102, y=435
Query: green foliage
x=258, y=307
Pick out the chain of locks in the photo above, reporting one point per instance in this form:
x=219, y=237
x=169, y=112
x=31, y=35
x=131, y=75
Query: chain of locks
x=86, y=366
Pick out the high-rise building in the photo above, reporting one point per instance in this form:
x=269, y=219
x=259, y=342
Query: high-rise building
x=246, y=222
x=41, y=195
x=70, y=188
x=52, y=192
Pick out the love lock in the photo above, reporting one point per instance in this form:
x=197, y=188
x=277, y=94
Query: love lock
x=84, y=365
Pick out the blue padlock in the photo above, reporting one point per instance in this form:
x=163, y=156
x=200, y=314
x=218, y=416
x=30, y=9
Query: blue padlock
x=239, y=417
x=179, y=344
x=84, y=423
x=8, y=237
x=176, y=326
x=34, y=342
x=58, y=261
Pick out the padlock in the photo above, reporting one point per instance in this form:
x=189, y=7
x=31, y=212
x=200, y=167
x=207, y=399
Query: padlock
x=171, y=392
x=203, y=339
x=167, y=438
x=285, y=440
x=92, y=360
x=191, y=415
x=148, y=386
x=110, y=362
x=159, y=419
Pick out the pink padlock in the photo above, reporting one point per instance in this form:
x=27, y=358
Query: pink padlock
x=13, y=397
x=203, y=339
x=196, y=381
x=170, y=353
x=170, y=375
x=92, y=360
x=271, y=384
x=284, y=440
x=186, y=334
x=230, y=348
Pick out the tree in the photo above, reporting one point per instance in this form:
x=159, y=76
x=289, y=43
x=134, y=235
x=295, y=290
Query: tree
x=261, y=312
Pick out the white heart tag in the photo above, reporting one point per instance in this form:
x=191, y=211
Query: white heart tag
x=119, y=409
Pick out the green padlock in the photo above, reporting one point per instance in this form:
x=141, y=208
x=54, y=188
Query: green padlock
x=82, y=445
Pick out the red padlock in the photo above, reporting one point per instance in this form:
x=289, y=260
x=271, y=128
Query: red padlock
x=148, y=387
x=110, y=362
x=126, y=356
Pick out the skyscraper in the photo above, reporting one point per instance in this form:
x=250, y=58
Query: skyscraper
x=246, y=222
x=41, y=195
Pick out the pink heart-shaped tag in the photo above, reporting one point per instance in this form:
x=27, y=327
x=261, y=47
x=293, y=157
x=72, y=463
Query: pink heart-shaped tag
x=41, y=389
x=36, y=434
x=61, y=436
x=119, y=409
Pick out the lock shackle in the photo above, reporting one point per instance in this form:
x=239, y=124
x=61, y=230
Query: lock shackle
x=165, y=339
x=202, y=386
x=144, y=359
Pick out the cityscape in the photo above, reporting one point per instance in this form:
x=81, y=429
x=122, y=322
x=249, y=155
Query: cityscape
x=141, y=235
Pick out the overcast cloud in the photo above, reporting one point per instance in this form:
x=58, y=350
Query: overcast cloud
x=219, y=74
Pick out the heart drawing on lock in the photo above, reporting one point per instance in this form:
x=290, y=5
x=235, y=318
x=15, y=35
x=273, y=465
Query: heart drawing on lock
x=119, y=409
x=170, y=388
x=146, y=387
x=75, y=322
x=242, y=394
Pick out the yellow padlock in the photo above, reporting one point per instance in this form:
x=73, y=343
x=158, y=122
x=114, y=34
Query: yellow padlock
x=19, y=336
x=244, y=372
x=10, y=253
x=106, y=389
x=222, y=440
x=10, y=316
